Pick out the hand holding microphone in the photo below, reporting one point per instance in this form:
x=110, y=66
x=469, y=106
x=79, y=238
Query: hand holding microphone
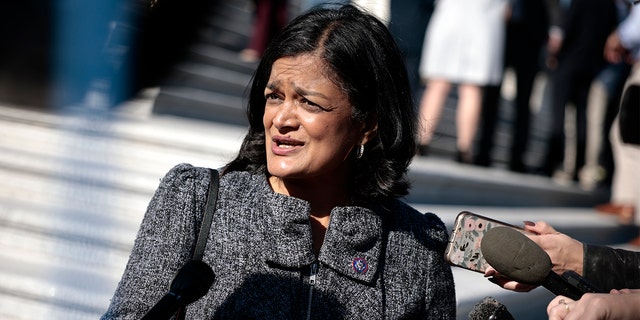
x=565, y=252
x=513, y=254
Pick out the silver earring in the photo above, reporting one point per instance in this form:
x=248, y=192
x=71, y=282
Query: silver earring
x=360, y=151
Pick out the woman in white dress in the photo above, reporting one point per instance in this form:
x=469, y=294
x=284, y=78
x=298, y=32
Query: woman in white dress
x=463, y=46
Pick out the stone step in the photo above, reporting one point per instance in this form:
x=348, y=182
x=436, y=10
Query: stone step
x=441, y=181
x=210, y=77
x=73, y=193
x=230, y=25
x=54, y=283
x=220, y=57
x=200, y=104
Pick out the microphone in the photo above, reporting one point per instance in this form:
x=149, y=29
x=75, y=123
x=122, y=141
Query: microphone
x=190, y=283
x=516, y=256
x=490, y=309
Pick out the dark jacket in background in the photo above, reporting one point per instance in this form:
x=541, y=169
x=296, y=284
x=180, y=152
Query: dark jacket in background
x=608, y=268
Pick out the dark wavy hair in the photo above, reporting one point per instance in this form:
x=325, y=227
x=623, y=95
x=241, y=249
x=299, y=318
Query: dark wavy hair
x=362, y=58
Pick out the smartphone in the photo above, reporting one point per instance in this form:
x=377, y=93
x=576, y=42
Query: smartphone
x=463, y=249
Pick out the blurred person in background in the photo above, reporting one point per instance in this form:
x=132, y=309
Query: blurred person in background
x=575, y=57
x=527, y=29
x=379, y=8
x=270, y=16
x=408, y=23
x=602, y=107
x=467, y=55
x=624, y=44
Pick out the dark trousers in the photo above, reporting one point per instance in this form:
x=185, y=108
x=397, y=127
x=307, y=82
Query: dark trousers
x=409, y=20
x=523, y=55
x=567, y=87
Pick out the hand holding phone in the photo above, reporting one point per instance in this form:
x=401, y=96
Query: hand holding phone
x=463, y=249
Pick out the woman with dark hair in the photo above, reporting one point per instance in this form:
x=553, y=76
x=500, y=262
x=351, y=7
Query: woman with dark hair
x=308, y=221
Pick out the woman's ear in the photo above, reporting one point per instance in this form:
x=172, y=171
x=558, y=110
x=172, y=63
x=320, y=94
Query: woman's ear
x=370, y=129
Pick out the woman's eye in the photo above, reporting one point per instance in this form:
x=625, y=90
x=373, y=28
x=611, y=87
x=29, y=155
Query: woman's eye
x=270, y=97
x=305, y=101
x=312, y=105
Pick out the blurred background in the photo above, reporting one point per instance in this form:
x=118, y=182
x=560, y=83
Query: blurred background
x=99, y=99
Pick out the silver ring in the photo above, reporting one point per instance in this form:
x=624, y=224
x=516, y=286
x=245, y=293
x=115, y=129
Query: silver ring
x=566, y=306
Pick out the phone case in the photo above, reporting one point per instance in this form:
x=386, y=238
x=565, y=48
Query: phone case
x=463, y=249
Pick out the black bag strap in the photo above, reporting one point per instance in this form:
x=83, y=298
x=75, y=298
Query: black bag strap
x=205, y=227
x=209, y=209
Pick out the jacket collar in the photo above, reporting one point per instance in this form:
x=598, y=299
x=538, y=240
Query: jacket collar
x=352, y=244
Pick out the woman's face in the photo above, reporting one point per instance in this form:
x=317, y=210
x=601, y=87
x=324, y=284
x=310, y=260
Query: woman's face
x=307, y=120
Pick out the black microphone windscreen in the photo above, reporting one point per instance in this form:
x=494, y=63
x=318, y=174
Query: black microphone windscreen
x=515, y=255
x=490, y=309
x=192, y=281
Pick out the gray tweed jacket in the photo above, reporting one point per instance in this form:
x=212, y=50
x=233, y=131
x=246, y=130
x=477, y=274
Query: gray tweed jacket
x=374, y=264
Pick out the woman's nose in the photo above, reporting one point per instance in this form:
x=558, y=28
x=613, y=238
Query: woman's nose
x=286, y=116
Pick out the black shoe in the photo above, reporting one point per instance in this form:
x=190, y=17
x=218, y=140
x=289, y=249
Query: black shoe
x=482, y=161
x=464, y=157
x=518, y=166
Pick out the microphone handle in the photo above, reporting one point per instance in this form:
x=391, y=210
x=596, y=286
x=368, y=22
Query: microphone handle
x=579, y=282
x=164, y=309
x=560, y=286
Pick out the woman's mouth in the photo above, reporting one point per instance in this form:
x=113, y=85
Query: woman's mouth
x=284, y=142
x=284, y=145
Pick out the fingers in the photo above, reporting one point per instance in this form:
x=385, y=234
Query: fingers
x=624, y=291
x=539, y=227
x=495, y=277
x=612, y=56
x=509, y=284
x=613, y=50
x=559, y=307
x=490, y=271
